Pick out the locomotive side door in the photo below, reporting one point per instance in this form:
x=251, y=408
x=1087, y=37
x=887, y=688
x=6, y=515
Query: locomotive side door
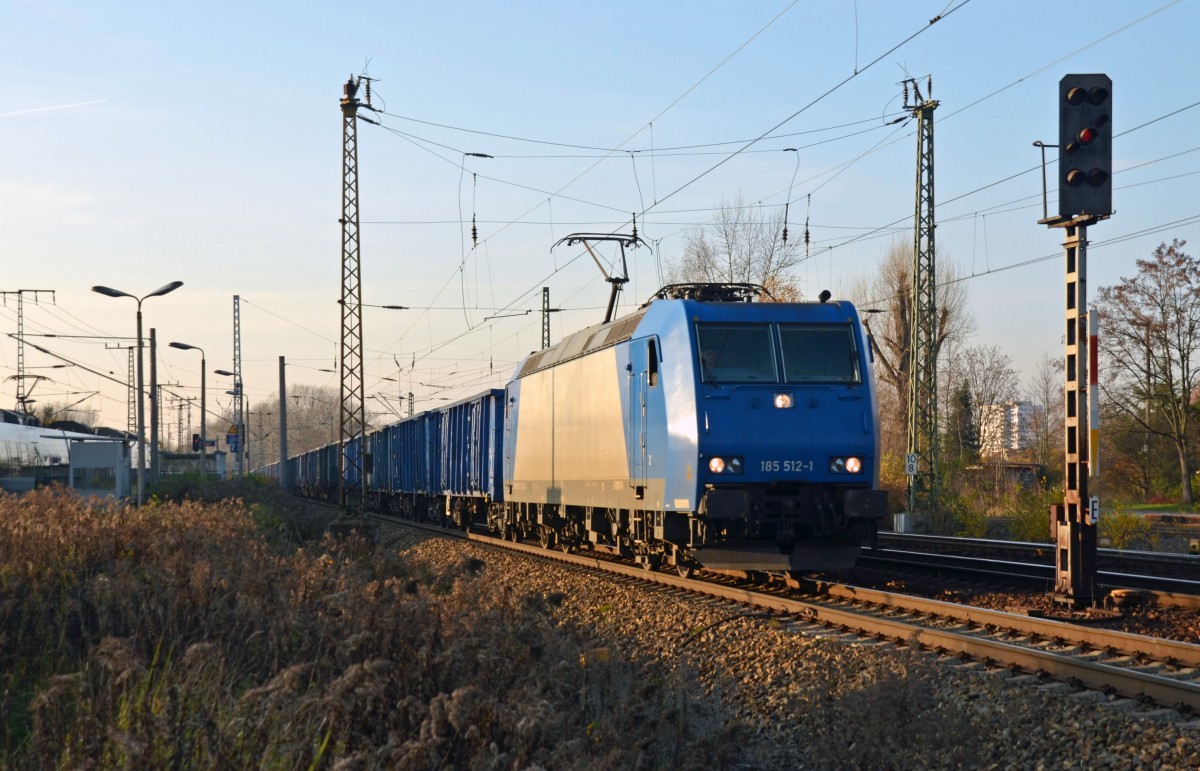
x=635, y=436
x=509, y=406
x=643, y=378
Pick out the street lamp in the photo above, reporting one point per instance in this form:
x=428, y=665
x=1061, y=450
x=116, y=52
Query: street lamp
x=141, y=406
x=237, y=398
x=203, y=406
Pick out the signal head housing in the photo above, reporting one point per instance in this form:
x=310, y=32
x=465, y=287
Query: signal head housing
x=1085, y=146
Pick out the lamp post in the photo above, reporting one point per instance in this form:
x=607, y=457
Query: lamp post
x=203, y=406
x=141, y=406
x=237, y=398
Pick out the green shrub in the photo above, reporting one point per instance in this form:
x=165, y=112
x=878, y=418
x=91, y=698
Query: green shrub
x=1124, y=529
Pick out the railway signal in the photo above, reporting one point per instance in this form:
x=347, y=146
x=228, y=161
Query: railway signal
x=1084, y=146
x=1084, y=198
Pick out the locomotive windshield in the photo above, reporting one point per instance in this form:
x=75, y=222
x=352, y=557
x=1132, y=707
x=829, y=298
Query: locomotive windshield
x=745, y=353
x=819, y=353
x=736, y=353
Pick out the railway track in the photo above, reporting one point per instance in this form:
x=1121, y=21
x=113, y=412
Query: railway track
x=1162, y=582
x=1107, y=663
x=1164, y=564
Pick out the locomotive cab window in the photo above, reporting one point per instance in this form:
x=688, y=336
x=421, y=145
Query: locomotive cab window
x=819, y=353
x=652, y=362
x=736, y=353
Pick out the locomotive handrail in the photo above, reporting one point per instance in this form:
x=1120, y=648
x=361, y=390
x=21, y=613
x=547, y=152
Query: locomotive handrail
x=711, y=292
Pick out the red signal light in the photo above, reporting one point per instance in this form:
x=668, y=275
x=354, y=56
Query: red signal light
x=1087, y=135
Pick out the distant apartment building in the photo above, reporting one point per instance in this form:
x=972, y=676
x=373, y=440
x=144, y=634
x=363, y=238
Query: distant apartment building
x=1007, y=428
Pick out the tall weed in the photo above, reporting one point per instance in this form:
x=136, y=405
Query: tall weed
x=182, y=635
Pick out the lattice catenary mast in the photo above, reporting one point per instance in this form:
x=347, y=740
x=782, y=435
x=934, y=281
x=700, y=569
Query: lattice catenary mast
x=238, y=389
x=131, y=419
x=353, y=407
x=22, y=394
x=922, y=458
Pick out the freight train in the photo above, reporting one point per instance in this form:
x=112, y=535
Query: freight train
x=704, y=430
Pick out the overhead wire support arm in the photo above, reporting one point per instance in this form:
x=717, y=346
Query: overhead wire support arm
x=623, y=240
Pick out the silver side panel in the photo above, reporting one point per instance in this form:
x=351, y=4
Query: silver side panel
x=571, y=435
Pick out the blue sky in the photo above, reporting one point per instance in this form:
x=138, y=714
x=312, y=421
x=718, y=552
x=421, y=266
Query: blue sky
x=142, y=143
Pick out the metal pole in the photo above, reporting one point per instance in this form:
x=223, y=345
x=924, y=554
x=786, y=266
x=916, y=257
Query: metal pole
x=1045, y=211
x=153, y=407
x=141, y=414
x=245, y=448
x=283, y=450
x=203, y=419
x=1043, y=146
x=1075, y=520
x=241, y=429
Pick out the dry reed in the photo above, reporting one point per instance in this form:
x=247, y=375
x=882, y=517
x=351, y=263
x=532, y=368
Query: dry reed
x=210, y=635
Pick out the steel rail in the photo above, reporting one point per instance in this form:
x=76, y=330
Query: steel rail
x=1165, y=591
x=1038, y=550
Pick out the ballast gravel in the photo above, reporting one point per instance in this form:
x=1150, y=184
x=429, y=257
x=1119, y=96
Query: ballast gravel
x=811, y=698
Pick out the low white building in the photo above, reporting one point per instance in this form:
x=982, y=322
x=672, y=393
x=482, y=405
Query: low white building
x=32, y=455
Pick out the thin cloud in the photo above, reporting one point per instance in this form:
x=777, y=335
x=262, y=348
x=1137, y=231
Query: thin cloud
x=48, y=109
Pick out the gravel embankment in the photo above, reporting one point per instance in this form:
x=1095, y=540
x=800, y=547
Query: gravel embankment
x=815, y=702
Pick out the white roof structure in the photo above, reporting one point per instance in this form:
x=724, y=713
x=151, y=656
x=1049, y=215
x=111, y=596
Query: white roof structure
x=38, y=445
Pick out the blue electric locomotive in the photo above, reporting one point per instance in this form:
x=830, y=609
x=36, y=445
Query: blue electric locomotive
x=702, y=430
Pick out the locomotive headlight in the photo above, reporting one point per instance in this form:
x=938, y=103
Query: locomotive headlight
x=845, y=465
x=728, y=465
x=783, y=401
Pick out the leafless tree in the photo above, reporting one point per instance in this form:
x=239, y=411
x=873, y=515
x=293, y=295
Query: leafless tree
x=737, y=246
x=885, y=302
x=994, y=384
x=1044, y=389
x=52, y=411
x=1150, y=335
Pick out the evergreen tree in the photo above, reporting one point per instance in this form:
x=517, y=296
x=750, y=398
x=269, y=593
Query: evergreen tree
x=961, y=438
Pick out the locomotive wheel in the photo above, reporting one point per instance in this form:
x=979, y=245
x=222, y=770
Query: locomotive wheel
x=544, y=537
x=565, y=547
x=685, y=571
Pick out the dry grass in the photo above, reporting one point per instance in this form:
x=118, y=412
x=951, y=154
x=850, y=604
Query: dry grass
x=206, y=635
